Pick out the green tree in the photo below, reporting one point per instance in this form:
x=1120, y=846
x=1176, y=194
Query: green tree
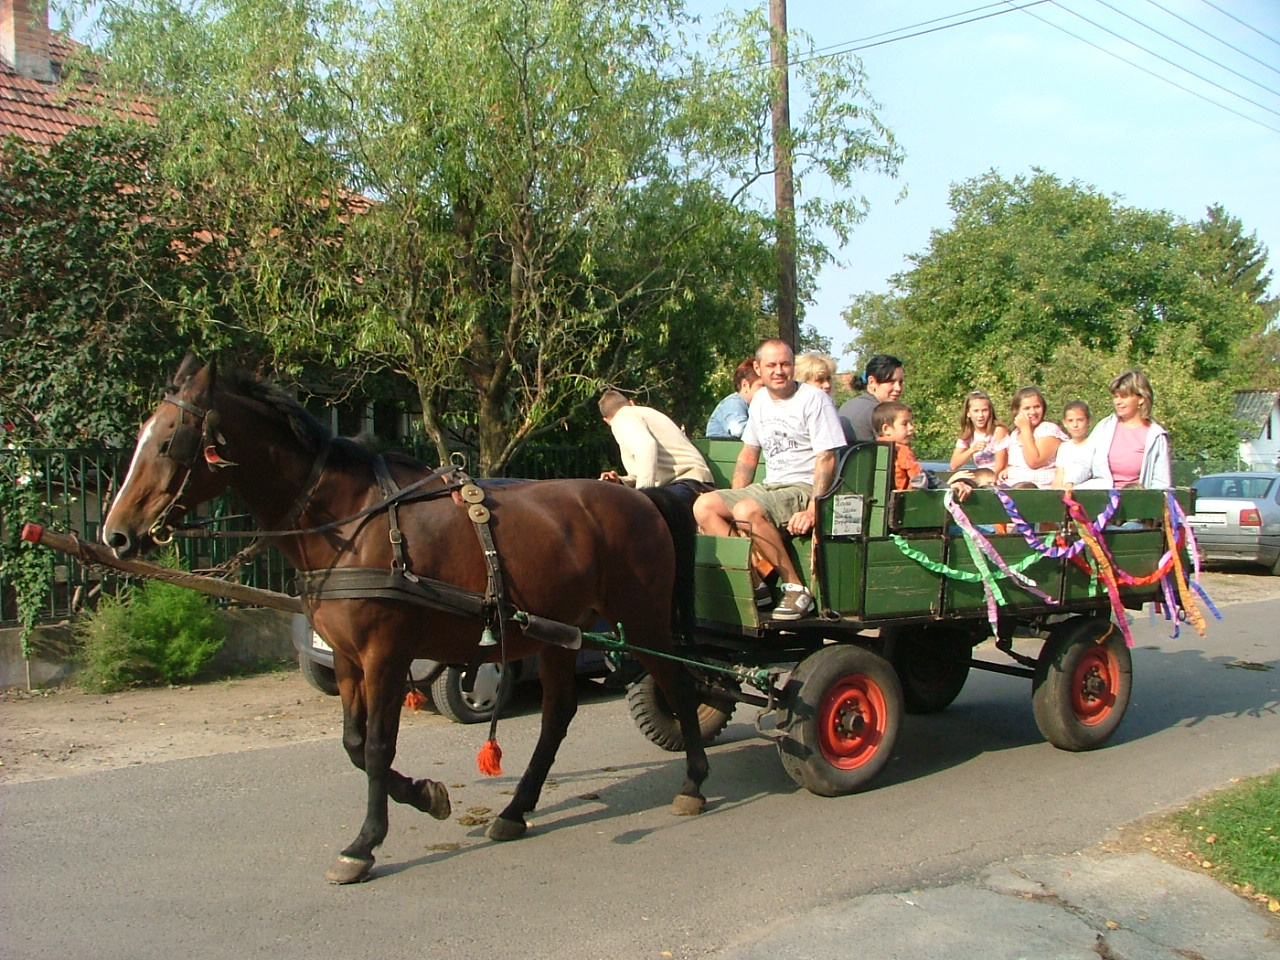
x=559, y=195
x=93, y=267
x=1040, y=281
x=1240, y=262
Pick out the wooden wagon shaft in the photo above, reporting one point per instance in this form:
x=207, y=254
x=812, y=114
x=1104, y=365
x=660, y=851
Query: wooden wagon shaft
x=88, y=552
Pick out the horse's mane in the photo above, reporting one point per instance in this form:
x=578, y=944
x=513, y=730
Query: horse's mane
x=343, y=451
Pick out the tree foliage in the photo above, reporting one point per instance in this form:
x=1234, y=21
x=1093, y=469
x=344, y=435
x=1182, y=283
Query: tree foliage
x=510, y=203
x=1042, y=282
x=93, y=267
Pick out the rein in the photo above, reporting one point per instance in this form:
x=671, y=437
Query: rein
x=198, y=530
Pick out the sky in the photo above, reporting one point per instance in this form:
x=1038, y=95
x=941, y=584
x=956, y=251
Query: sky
x=1011, y=93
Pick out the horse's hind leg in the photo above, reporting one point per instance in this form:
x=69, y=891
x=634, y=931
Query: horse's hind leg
x=559, y=704
x=678, y=688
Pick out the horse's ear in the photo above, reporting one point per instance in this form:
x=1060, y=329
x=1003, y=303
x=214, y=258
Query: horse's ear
x=204, y=380
x=190, y=364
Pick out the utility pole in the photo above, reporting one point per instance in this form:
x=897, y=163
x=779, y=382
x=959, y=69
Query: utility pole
x=783, y=186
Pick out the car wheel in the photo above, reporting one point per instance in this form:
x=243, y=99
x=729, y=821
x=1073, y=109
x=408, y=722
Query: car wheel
x=490, y=691
x=318, y=675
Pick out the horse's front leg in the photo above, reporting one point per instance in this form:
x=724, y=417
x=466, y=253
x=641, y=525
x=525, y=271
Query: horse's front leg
x=370, y=723
x=429, y=796
x=371, y=704
x=556, y=670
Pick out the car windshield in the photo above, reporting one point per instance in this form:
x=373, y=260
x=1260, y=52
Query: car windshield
x=1236, y=488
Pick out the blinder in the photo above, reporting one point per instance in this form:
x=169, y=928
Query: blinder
x=187, y=445
x=184, y=445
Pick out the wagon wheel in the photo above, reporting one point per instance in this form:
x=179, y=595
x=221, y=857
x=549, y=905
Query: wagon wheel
x=842, y=718
x=932, y=663
x=1082, y=683
x=657, y=721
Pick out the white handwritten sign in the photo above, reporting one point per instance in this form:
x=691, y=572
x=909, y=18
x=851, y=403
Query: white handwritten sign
x=846, y=516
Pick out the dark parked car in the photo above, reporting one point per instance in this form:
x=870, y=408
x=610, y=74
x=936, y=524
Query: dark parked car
x=454, y=692
x=1237, y=517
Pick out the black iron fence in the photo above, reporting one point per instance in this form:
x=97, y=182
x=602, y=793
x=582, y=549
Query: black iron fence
x=70, y=490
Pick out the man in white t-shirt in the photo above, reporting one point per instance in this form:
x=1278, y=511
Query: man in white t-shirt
x=797, y=428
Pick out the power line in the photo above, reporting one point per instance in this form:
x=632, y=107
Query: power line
x=1173, y=83
x=1158, y=56
x=1241, y=22
x=837, y=48
x=1196, y=26
x=867, y=43
x=1202, y=56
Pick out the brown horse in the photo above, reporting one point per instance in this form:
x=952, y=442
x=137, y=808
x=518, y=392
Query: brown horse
x=571, y=551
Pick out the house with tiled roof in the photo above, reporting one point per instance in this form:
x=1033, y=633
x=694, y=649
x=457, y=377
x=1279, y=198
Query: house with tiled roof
x=37, y=104
x=1259, y=414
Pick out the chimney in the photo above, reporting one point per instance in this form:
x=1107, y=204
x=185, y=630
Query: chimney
x=24, y=38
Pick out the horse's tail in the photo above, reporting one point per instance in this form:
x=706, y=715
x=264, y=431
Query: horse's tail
x=677, y=511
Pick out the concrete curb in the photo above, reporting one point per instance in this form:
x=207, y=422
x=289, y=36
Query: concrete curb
x=1082, y=907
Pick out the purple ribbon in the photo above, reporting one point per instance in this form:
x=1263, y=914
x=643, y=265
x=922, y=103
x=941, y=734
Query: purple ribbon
x=1033, y=540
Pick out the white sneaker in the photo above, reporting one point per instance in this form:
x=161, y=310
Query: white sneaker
x=797, y=602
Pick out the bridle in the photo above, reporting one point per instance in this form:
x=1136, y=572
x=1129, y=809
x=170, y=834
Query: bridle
x=185, y=446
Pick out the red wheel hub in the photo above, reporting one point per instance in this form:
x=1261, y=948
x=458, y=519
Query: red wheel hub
x=1094, y=685
x=852, y=721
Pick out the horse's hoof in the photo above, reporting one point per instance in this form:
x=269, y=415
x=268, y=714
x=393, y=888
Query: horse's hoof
x=686, y=805
x=437, y=796
x=349, y=870
x=502, y=829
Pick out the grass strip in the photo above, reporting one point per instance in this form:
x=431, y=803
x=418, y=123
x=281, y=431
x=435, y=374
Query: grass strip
x=1236, y=832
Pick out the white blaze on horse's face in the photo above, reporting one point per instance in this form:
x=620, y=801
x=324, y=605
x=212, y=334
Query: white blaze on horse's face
x=148, y=488
x=144, y=436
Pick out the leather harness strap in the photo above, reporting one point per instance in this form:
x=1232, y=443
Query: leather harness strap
x=400, y=583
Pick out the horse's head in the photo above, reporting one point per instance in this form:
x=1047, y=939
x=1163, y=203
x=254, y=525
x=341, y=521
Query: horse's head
x=176, y=464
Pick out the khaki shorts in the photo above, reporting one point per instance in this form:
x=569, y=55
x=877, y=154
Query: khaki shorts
x=778, y=500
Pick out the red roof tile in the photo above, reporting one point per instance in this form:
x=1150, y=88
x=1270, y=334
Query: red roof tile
x=44, y=112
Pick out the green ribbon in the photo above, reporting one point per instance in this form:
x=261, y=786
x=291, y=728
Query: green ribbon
x=965, y=575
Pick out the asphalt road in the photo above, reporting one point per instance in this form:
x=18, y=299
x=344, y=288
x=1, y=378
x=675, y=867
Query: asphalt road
x=221, y=857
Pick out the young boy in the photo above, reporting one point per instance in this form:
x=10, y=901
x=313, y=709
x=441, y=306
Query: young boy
x=1076, y=421
x=893, y=421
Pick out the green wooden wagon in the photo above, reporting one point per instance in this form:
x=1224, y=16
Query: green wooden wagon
x=902, y=603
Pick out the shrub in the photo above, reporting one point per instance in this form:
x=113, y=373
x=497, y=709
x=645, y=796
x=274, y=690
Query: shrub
x=156, y=633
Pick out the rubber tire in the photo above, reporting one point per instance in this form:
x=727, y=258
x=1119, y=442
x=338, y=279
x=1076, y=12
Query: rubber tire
x=1069, y=716
x=838, y=681
x=657, y=721
x=460, y=707
x=932, y=663
x=318, y=675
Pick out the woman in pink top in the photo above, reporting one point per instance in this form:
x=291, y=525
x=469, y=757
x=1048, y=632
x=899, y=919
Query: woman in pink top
x=1127, y=448
x=1033, y=445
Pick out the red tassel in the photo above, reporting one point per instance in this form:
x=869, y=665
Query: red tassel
x=489, y=759
x=414, y=699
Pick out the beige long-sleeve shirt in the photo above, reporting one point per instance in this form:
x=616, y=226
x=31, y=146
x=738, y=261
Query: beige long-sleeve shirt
x=655, y=451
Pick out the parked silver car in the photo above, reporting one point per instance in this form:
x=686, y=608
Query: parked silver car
x=452, y=690
x=1237, y=517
